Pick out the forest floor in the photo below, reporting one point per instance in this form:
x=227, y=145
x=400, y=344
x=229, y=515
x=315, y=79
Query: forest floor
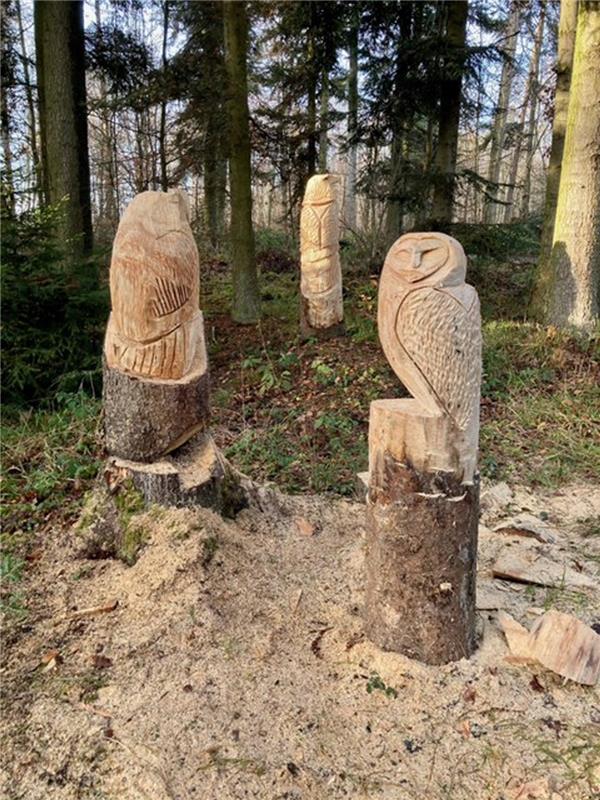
x=234, y=665
x=230, y=661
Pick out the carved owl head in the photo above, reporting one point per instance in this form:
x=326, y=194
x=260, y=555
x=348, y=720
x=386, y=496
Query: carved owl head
x=321, y=189
x=159, y=213
x=419, y=256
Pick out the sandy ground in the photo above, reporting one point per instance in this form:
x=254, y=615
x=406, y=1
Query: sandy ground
x=235, y=666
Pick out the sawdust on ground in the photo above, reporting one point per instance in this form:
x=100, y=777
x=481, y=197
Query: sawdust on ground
x=235, y=666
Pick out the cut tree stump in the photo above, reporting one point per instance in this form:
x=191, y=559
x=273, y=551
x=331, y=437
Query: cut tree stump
x=197, y=474
x=421, y=556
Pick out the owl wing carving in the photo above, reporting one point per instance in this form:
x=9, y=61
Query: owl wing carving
x=310, y=225
x=442, y=339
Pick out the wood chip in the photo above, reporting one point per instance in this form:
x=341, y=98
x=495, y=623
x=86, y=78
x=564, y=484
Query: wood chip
x=305, y=527
x=93, y=612
x=526, y=565
x=528, y=526
x=559, y=642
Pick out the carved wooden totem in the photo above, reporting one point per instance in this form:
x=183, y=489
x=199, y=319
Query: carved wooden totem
x=156, y=369
x=155, y=329
x=321, y=274
x=422, y=503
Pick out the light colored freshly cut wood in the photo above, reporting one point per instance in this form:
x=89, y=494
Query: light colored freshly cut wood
x=321, y=274
x=559, y=642
x=430, y=331
x=155, y=329
x=527, y=565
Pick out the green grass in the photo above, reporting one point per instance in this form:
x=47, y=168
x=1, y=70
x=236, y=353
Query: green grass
x=49, y=460
x=296, y=413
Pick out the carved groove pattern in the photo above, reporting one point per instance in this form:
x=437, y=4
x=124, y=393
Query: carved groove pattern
x=443, y=339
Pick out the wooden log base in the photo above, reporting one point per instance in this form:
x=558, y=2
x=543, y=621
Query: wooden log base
x=197, y=474
x=146, y=419
x=420, y=562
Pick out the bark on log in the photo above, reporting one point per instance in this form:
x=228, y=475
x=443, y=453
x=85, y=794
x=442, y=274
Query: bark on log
x=197, y=474
x=421, y=563
x=146, y=419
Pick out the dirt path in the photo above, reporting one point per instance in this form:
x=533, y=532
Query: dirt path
x=235, y=666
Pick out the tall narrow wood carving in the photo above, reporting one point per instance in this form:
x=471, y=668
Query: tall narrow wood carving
x=156, y=369
x=423, y=487
x=322, y=310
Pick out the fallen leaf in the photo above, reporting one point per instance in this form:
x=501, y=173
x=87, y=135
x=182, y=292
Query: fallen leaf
x=469, y=694
x=101, y=662
x=536, y=685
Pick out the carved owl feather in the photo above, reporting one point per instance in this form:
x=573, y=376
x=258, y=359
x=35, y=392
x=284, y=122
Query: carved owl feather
x=430, y=327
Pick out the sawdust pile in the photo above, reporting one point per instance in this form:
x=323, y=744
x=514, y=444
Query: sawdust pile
x=235, y=666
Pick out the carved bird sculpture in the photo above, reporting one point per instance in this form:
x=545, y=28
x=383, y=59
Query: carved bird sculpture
x=430, y=326
x=155, y=328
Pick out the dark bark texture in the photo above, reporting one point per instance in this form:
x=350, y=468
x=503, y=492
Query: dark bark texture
x=60, y=64
x=145, y=419
x=421, y=564
x=196, y=474
x=246, y=297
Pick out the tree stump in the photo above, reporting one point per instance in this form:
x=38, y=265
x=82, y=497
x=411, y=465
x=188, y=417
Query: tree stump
x=197, y=474
x=421, y=549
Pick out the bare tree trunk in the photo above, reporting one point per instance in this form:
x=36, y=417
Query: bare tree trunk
x=350, y=210
x=566, y=47
x=500, y=118
x=575, y=259
x=323, y=122
x=246, y=296
x=531, y=127
x=60, y=62
x=162, y=136
x=529, y=102
x=449, y=114
x=35, y=153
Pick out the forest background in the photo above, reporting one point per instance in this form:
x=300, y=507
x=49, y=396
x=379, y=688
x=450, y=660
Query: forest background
x=437, y=115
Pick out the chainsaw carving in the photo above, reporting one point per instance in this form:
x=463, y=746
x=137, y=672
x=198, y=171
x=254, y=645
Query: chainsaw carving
x=423, y=496
x=321, y=275
x=156, y=379
x=155, y=329
x=430, y=331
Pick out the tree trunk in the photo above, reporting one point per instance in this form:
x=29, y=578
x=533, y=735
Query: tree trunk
x=35, y=153
x=246, y=296
x=350, y=210
x=162, y=136
x=108, y=214
x=449, y=114
x=575, y=259
x=566, y=46
x=60, y=63
x=529, y=101
x=500, y=118
x=323, y=122
x=531, y=127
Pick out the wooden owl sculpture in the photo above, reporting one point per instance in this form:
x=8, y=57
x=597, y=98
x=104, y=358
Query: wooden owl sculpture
x=430, y=328
x=321, y=275
x=155, y=329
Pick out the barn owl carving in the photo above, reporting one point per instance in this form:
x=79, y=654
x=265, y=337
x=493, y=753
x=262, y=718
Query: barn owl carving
x=430, y=327
x=321, y=275
x=155, y=329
